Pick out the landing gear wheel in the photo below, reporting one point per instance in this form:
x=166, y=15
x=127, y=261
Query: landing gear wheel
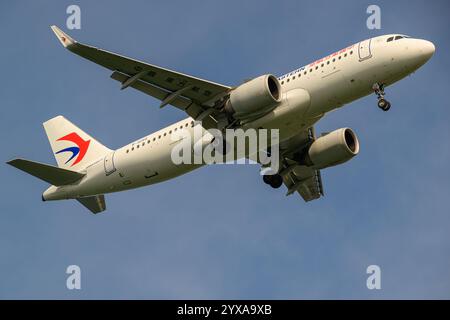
x=275, y=180
x=383, y=104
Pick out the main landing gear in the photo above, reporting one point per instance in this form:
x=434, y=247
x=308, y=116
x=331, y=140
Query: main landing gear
x=274, y=180
x=383, y=104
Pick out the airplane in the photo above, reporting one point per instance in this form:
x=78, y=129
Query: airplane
x=291, y=103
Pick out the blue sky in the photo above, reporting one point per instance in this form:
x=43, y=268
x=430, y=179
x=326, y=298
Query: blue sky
x=220, y=232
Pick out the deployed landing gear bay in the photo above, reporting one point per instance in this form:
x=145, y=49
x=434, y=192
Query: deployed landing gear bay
x=383, y=104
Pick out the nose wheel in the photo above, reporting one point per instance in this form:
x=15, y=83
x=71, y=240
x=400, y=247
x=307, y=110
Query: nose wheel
x=383, y=104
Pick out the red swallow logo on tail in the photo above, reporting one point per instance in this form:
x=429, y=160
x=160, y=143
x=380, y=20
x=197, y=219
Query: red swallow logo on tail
x=78, y=151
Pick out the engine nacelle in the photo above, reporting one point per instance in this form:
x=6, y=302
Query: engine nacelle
x=332, y=149
x=255, y=97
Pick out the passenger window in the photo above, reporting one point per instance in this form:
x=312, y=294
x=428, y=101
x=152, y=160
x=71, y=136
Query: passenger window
x=390, y=39
x=398, y=37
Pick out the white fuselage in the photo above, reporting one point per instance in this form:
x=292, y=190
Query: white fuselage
x=308, y=93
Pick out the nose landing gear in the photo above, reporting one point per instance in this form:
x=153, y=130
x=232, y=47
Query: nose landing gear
x=383, y=104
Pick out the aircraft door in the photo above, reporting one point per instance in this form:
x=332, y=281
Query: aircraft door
x=364, y=51
x=109, y=163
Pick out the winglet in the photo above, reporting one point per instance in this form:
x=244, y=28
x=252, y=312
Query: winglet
x=65, y=40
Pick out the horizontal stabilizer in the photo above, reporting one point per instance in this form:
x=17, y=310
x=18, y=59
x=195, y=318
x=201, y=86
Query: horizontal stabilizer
x=53, y=175
x=95, y=204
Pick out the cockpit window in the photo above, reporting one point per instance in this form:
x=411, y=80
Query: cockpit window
x=396, y=38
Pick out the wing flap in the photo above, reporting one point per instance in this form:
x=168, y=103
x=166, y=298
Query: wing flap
x=312, y=188
x=306, y=181
x=182, y=103
x=158, y=93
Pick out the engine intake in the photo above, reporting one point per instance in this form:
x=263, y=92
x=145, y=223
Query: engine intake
x=255, y=97
x=332, y=149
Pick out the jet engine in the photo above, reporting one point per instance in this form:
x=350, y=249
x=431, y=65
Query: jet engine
x=332, y=149
x=255, y=97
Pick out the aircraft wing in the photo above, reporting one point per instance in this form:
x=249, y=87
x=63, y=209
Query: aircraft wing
x=306, y=181
x=197, y=97
x=296, y=176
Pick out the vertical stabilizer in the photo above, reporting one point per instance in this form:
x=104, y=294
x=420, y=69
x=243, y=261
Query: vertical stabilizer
x=73, y=148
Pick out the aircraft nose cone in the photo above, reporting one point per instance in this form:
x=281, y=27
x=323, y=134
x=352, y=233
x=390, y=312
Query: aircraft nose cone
x=427, y=49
